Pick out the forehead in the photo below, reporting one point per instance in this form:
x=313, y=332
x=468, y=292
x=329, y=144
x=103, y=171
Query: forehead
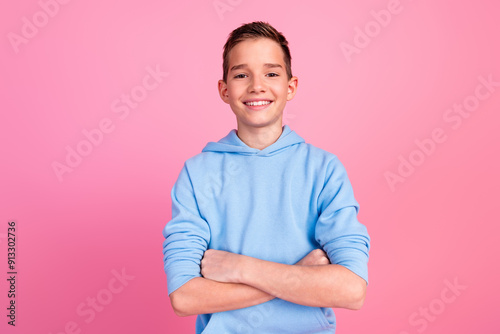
x=256, y=52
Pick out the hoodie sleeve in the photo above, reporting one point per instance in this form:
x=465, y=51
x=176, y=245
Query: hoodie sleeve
x=344, y=239
x=187, y=235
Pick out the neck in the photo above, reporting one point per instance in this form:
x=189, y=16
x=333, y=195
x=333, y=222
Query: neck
x=260, y=138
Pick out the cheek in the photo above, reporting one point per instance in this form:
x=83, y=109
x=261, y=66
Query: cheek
x=235, y=89
x=281, y=91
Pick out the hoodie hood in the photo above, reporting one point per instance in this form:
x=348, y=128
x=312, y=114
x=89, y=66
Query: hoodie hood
x=233, y=144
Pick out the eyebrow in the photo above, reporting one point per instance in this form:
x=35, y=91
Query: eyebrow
x=240, y=66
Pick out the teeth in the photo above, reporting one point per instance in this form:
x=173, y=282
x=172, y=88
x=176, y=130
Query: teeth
x=259, y=103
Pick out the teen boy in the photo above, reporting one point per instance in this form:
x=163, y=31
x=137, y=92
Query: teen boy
x=264, y=236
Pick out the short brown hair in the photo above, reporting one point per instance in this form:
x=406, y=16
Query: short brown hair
x=255, y=30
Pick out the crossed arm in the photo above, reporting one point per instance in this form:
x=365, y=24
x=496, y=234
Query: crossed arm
x=232, y=281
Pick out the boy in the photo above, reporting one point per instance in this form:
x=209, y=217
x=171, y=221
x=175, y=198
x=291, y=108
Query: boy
x=264, y=236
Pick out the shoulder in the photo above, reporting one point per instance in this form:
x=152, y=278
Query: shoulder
x=201, y=159
x=325, y=162
x=318, y=153
x=200, y=163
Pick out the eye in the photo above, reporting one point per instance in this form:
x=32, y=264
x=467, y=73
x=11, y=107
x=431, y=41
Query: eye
x=239, y=76
x=273, y=74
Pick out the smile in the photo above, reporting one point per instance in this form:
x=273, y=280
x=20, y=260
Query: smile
x=257, y=103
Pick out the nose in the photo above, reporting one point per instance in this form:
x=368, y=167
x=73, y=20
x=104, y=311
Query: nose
x=257, y=85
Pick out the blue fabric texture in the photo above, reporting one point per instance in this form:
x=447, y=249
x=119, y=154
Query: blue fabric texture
x=275, y=204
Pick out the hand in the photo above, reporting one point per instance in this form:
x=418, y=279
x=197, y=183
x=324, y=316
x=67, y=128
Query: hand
x=221, y=266
x=225, y=266
x=315, y=257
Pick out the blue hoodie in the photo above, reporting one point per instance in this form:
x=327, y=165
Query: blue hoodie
x=275, y=204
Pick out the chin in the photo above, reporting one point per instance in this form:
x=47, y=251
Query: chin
x=257, y=123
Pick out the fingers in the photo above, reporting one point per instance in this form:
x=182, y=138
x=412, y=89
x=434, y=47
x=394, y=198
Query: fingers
x=314, y=257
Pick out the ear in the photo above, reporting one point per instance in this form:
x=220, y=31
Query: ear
x=292, y=88
x=222, y=87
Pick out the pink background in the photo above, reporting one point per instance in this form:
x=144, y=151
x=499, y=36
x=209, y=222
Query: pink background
x=439, y=225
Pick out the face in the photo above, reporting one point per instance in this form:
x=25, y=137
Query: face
x=257, y=86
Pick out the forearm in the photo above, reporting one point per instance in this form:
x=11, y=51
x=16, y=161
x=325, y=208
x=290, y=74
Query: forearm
x=320, y=286
x=201, y=295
